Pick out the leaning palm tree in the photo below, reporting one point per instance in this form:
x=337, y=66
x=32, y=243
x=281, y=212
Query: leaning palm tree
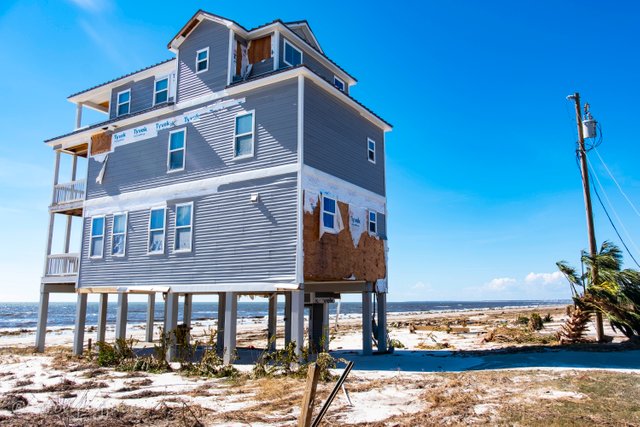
x=615, y=293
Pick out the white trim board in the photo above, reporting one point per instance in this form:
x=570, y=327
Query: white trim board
x=146, y=199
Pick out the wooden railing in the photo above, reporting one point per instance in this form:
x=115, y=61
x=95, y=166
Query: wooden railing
x=63, y=264
x=69, y=192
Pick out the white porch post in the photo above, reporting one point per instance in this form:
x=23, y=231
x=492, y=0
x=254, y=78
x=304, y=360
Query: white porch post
x=43, y=312
x=170, y=324
x=382, y=321
x=366, y=323
x=121, y=318
x=67, y=236
x=187, y=309
x=151, y=307
x=78, y=115
x=230, y=325
x=297, y=319
x=222, y=303
x=102, y=317
x=56, y=172
x=272, y=322
x=81, y=317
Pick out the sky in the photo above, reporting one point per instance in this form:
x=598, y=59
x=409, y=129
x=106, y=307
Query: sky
x=484, y=195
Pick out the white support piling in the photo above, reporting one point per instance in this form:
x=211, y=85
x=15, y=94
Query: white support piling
x=81, y=317
x=43, y=312
x=287, y=318
x=230, y=326
x=170, y=324
x=187, y=309
x=382, y=321
x=297, y=319
x=102, y=317
x=151, y=310
x=366, y=324
x=121, y=317
x=272, y=322
x=220, y=331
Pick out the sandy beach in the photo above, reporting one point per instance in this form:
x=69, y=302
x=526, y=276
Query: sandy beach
x=471, y=367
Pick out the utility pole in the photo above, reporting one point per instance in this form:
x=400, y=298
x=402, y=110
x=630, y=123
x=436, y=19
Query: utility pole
x=593, y=250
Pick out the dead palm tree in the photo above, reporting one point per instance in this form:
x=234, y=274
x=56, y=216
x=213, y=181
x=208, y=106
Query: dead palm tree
x=615, y=293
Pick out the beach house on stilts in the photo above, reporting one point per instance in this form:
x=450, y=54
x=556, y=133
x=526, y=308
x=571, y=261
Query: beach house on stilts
x=241, y=166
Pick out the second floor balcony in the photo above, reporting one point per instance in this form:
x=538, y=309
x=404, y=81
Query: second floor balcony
x=68, y=197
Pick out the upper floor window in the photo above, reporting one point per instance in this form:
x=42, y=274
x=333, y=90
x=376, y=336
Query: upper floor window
x=292, y=55
x=123, y=102
x=338, y=83
x=97, y=237
x=202, y=60
x=328, y=213
x=119, y=234
x=161, y=90
x=183, y=231
x=244, y=135
x=371, y=150
x=156, y=231
x=373, y=222
x=177, y=148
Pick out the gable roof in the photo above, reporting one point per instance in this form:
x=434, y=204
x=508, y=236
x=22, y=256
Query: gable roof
x=309, y=37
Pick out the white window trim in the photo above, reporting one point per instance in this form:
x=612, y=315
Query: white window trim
x=206, y=49
x=155, y=92
x=118, y=103
x=113, y=234
x=323, y=228
x=369, y=150
x=91, y=237
x=169, y=150
x=284, y=53
x=164, y=231
x=176, y=227
x=374, y=222
x=252, y=133
x=344, y=86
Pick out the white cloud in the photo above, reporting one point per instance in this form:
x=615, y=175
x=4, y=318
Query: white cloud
x=91, y=5
x=500, y=283
x=419, y=285
x=544, y=278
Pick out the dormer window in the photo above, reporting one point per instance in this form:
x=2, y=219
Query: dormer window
x=161, y=90
x=202, y=60
x=338, y=83
x=292, y=55
x=123, y=102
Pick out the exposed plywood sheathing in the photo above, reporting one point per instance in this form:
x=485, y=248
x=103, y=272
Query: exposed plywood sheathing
x=100, y=143
x=104, y=104
x=260, y=49
x=238, y=58
x=333, y=256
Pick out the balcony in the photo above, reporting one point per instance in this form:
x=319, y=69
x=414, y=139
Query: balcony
x=68, y=197
x=62, y=268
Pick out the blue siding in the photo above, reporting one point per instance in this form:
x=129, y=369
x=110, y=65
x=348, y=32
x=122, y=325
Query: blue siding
x=313, y=64
x=234, y=241
x=141, y=96
x=191, y=85
x=209, y=148
x=335, y=140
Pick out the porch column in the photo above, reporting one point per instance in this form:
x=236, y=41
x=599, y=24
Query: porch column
x=272, y=322
x=67, y=236
x=230, y=325
x=187, y=309
x=220, y=331
x=81, y=317
x=382, y=321
x=316, y=327
x=170, y=324
x=102, y=317
x=78, y=115
x=56, y=172
x=43, y=312
x=121, y=317
x=151, y=310
x=287, y=318
x=297, y=319
x=366, y=323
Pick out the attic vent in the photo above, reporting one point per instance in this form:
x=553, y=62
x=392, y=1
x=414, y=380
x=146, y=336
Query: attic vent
x=190, y=27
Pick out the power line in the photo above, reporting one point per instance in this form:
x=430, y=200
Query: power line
x=618, y=185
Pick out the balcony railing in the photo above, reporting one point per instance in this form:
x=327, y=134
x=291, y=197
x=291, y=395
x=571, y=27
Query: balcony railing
x=69, y=192
x=63, y=264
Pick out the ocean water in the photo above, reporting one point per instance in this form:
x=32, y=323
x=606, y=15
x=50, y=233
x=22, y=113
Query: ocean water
x=25, y=315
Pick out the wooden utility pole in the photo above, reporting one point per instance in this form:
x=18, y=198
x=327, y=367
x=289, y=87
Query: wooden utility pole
x=593, y=249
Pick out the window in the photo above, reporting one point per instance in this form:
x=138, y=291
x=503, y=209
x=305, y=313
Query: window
x=183, y=231
x=202, y=60
x=123, y=102
x=97, y=237
x=177, y=143
x=161, y=90
x=243, y=137
x=156, y=231
x=373, y=222
x=338, y=83
x=371, y=150
x=292, y=55
x=328, y=213
x=119, y=234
